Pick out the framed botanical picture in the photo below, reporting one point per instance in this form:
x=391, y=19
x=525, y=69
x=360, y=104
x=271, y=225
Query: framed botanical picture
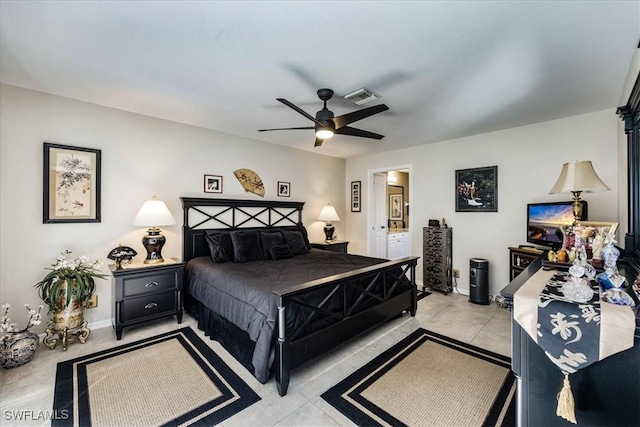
x=477, y=189
x=395, y=207
x=212, y=184
x=355, y=196
x=284, y=189
x=71, y=184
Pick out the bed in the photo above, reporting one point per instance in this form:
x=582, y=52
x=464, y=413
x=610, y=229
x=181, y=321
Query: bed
x=277, y=303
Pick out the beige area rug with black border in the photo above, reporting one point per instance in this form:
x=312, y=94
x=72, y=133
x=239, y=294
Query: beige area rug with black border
x=429, y=380
x=172, y=379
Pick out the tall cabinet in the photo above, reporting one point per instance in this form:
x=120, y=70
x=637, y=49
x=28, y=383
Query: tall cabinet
x=436, y=261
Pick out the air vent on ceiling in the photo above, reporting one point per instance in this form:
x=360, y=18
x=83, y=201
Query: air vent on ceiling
x=361, y=96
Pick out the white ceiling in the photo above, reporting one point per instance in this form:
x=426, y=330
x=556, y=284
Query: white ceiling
x=446, y=69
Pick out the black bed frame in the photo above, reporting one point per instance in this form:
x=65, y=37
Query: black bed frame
x=294, y=348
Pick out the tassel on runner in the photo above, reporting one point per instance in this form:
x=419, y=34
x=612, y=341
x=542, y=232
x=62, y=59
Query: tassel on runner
x=566, y=404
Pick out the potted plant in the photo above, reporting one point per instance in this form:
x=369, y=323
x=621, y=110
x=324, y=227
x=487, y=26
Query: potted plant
x=66, y=290
x=17, y=346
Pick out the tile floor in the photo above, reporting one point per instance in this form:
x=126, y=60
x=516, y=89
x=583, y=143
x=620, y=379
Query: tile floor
x=31, y=386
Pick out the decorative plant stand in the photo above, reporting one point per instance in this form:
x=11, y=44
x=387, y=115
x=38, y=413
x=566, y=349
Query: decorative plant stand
x=66, y=336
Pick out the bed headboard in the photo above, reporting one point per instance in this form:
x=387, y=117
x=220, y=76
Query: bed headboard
x=200, y=215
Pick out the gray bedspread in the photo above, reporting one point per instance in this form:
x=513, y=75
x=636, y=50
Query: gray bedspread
x=242, y=292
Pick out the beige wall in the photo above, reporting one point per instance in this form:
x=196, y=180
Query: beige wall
x=529, y=160
x=141, y=157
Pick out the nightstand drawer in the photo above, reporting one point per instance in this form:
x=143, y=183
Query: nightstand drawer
x=148, y=305
x=149, y=283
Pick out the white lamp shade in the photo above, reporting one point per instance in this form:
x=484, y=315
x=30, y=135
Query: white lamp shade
x=328, y=214
x=578, y=176
x=153, y=213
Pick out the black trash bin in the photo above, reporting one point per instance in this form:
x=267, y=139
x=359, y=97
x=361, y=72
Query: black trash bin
x=479, y=281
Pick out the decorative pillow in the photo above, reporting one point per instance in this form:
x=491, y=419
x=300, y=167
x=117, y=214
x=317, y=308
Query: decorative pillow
x=280, y=252
x=220, y=246
x=268, y=241
x=305, y=236
x=246, y=245
x=296, y=242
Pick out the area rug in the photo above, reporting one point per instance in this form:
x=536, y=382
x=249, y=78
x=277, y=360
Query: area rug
x=429, y=380
x=170, y=379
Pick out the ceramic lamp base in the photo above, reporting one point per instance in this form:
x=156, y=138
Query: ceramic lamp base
x=153, y=242
x=328, y=231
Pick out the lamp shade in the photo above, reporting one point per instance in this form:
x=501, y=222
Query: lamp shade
x=153, y=213
x=328, y=214
x=578, y=176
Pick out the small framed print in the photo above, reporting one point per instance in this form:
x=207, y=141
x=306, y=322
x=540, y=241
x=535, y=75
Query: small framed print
x=355, y=196
x=212, y=184
x=71, y=184
x=395, y=207
x=284, y=189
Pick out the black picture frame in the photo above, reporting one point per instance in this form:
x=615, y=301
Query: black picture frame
x=356, y=196
x=71, y=184
x=477, y=189
x=284, y=189
x=396, y=207
x=213, y=184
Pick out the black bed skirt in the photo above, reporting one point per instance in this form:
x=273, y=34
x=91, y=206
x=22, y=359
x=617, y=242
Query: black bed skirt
x=233, y=339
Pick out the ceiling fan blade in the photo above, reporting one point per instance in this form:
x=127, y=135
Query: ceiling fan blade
x=349, y=118
x=299, y=110
x=346, y=130
x=299, y=128
x=318, y=142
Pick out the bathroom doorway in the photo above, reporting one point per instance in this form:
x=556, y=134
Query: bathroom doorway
x=389, y=220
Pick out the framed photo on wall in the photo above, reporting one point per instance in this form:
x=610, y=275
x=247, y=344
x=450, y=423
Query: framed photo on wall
x=477, y=189
x=212, y=184
x=395, y=207
x=284, y=189
x=71, y=184
x=356, y=196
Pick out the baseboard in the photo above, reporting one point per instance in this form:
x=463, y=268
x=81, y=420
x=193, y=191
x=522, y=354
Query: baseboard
x=100, y=324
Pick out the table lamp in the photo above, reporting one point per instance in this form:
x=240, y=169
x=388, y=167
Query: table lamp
x=153, y=213
x=577, y=177
x=328, y=214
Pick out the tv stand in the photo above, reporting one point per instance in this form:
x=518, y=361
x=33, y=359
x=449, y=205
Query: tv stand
x=520, y=258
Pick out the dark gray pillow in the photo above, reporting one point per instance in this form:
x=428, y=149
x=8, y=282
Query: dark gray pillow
x=268, y=241
x=220, y=246
x=280, y=252
x=295, y=240
x=246, y=245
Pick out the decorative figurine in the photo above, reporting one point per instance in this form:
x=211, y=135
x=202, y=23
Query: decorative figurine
x=122, y=254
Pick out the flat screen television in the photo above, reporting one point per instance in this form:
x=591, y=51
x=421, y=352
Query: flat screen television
x=544, y=221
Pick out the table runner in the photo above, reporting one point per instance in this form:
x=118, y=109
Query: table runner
x=572, y=335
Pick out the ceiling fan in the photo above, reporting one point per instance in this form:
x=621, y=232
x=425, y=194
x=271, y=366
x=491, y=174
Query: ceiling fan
x=326, y=125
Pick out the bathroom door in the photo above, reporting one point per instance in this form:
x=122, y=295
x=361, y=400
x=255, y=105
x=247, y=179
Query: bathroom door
x=378, y=232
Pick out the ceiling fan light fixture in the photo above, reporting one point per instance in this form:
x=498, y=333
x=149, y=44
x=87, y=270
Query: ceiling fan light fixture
x=324, y=133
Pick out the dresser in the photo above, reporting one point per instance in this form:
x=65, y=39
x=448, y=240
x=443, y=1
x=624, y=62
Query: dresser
x=605, y=393
x=145, y=292
x=437, y=259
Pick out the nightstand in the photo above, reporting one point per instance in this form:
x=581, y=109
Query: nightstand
x=144, y=292
x=332, y=245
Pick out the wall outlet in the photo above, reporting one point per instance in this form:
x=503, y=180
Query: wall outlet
x=93, y=301
x=456, y=273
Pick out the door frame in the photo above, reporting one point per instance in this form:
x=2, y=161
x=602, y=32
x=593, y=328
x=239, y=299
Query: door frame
x=370, y=201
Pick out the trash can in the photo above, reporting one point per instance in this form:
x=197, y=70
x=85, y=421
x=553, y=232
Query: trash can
x=479, y=281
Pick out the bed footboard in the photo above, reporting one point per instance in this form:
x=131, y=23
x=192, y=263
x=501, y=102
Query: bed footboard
x=368, y=297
